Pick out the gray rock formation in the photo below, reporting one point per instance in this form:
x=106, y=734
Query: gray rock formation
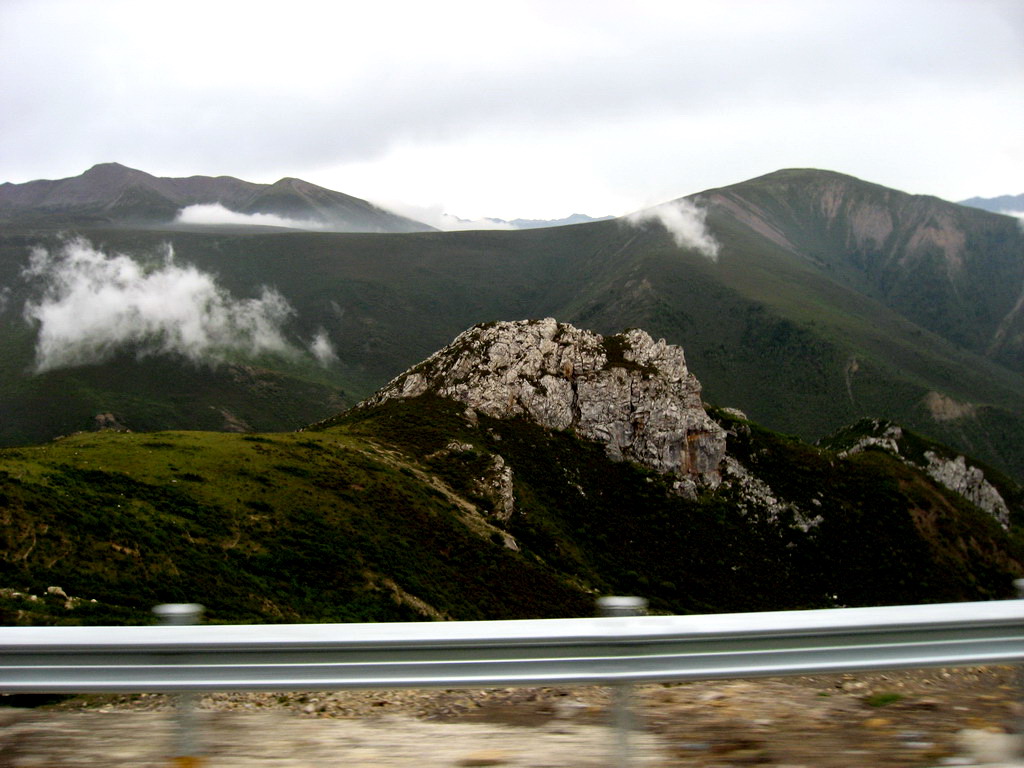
x=496, y=484
x=629, y=392
x=756, y=498
x=953, y=473
x=958, y=476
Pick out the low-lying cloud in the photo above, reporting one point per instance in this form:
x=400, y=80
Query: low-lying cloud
x=322, y=349
x=215, y=213
x=435, y=216
x=1019, y=215
x=90, y=305
x=684, y=221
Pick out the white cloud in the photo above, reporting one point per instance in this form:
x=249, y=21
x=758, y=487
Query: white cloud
x=92, y=305
x=322, y=348
x=215, y=213
x=633, y=111
x=684, y=221
x=437, y=217
x=1019, y=215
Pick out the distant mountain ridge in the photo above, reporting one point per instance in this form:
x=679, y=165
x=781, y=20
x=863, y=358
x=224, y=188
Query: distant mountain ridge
x=1001, y=204
x=576, y=218
x=111, y=193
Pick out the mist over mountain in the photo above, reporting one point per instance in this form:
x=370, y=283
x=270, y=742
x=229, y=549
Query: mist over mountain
x=807, y=298
x=110, y=193
x=576, y=218
x=388, y=431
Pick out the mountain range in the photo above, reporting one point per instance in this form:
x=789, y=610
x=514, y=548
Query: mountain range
x=110, y=193
x=576, y=218
x=1001, y=204
x=824, y=299
x=290, y=425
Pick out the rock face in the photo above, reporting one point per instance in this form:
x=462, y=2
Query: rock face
x=629, y=392
x=953, y=472
x=970, y=483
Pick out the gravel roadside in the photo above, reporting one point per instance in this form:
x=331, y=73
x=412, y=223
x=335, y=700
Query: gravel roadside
x=914, y=718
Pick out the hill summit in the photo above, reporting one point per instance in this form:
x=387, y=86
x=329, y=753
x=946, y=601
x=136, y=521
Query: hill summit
x=632, y=394
x=111, y=193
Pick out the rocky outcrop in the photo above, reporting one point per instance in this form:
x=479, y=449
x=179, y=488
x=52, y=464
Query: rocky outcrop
x=969, y=482
x=495, y=483
x=631, y=393
x=755, y=498
x=954, y=473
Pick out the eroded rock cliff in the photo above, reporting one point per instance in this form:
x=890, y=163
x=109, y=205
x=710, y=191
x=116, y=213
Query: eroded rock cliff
x=629, y=392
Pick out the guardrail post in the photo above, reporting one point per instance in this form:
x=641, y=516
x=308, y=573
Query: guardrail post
x=622, y=693
x=186, y=744
x=1019, y=725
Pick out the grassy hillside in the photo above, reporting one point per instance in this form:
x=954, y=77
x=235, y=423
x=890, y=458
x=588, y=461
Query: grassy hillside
x=942, y=266
x=386, y=514
x=809, y=319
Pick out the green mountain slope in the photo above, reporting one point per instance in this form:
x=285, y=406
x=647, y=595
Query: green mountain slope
x=937, y=264
x=386, y=514
x=830, y=299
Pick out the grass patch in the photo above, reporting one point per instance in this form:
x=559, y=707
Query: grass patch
x=883, y=699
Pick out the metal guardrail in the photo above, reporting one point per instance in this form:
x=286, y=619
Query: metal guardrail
x=508, y=653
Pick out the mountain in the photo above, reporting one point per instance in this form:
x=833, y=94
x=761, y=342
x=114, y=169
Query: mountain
x=825, y=299
x=934, y=263
x=628, y=392
x=576, y=218
x=417, y=505
x=111, y=193
x=1001, y=204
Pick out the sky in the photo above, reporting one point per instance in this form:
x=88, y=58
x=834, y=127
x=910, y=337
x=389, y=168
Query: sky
x=516, y=108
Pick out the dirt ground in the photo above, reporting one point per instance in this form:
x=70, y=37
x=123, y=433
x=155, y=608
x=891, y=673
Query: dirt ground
x=886, y=719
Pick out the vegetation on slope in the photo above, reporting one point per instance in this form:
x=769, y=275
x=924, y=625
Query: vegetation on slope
x=804, y=333
x=382, y=514
x=287, y=527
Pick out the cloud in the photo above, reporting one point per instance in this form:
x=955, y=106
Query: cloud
x=1019, y=215
x=684, y=221
x=322, y=349
x=430, y=78
x=450, y=223
x=436, y=217
x=91, y=305
x=215, y=213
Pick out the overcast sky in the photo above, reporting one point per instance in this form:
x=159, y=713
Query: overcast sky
x=518, y=109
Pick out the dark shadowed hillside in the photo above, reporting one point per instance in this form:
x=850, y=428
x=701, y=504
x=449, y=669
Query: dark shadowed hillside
x=383, y=516
x=111, y=193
